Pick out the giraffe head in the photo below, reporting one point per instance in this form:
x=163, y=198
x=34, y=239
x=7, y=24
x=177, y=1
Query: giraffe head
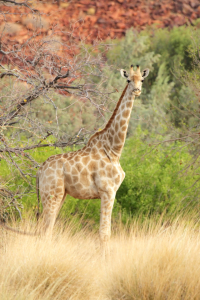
x=135, y=78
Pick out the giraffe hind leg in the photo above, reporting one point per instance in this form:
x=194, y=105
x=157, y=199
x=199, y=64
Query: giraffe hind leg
x=51, y=208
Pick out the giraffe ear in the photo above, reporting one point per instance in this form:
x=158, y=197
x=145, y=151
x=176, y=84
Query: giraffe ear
x=124, y=73
x=145, y=73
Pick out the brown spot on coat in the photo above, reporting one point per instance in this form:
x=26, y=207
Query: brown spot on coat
x=126, y=113
x=99, y=144
x=79, y=186
x=122, y=135
x=73, y=191
x=51, y=178
x=116, y=139
x=102, y=173
x=116, y=127
x=102, y=164
x=59, y=190
x=53, y=186
x=51, y=158
x=77, y=158
x=96, y=156
x=72, y=162
x=59, y=173
x=93, y=166
x=122, y=123
x=59, y=163
x=118, y=148
x=79, y=167
x=109, y=170
x=84, y=172
x=85, y=160
x=88, y=149
x=117, y=179
x=68, y=179
x=75, y=179
x=112, y=132
x=84, y=178
x=74, y=171
x=48, y=172
x=94, y=151
x=52, y=164
x=60, y=182
x=129, y=104
x=111, y=140
x=67, y=166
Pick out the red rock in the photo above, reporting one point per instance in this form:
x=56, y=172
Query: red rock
x=187, y=9
x=103, y=17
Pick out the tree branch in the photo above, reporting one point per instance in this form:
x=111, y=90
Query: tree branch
x=13, y=2
x=35, y=94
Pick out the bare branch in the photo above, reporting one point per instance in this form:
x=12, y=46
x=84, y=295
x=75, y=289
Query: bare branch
x=15, y=3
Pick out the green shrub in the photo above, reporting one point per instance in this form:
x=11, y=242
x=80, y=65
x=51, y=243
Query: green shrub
x=155, y=181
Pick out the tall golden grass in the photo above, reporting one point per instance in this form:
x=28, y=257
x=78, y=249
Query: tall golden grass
x=147, y=260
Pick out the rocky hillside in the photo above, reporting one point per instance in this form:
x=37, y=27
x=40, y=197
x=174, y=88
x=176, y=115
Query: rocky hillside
x=98, y=18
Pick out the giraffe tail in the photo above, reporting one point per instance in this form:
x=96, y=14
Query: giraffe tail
x=38, y=195
x=17, y=231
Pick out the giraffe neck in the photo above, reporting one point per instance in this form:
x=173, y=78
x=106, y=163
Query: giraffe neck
x=114, y=134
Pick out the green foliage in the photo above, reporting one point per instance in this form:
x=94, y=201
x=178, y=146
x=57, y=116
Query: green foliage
x=172, y=45
x=69, y=114
x=154, y=180
x=12, y=178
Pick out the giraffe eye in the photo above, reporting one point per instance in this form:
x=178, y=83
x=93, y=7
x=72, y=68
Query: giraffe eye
x=142, y=80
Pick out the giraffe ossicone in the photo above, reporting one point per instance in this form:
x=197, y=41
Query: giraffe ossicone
x=94, y=171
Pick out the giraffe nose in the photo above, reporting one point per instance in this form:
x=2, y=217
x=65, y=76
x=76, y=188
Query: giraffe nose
x=137, y=92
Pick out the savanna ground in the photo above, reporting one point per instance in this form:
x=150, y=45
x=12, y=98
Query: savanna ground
x=148, y=260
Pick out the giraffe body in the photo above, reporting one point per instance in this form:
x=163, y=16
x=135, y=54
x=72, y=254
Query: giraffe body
x=93, y=171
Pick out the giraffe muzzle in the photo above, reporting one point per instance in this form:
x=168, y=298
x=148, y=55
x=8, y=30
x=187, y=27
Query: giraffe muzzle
x=137, y=92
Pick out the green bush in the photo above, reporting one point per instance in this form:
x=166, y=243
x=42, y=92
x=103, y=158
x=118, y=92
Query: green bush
x=155, y=181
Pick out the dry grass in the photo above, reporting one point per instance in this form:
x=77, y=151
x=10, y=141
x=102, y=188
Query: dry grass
x=147, y=261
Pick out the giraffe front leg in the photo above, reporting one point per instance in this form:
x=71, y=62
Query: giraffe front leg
x=107, y=201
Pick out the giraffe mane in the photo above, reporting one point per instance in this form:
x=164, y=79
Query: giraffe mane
x=112, y=117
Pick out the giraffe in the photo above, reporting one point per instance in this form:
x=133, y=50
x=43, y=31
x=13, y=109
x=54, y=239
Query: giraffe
x=94, y=171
